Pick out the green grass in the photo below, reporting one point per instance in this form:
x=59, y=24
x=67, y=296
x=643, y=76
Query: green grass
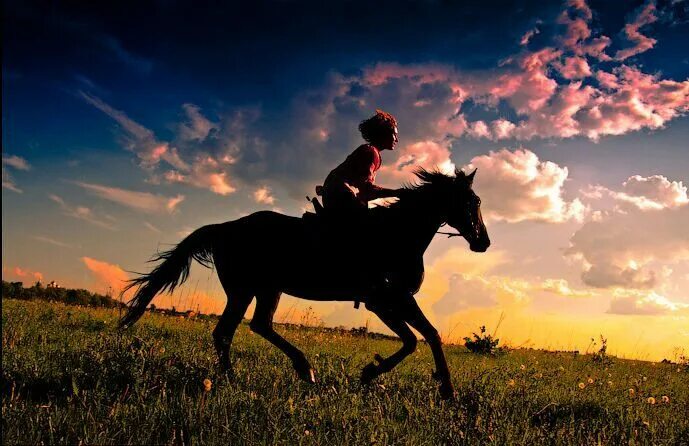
x=69, y=377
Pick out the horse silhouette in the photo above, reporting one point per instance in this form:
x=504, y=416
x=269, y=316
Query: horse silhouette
x=378, y=261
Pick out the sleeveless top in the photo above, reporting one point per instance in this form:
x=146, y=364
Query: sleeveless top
x=358, y=170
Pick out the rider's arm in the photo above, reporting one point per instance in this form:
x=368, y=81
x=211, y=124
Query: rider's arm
x=363, y=176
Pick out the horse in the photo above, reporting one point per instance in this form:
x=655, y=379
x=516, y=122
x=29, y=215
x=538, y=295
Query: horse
x=378, y=261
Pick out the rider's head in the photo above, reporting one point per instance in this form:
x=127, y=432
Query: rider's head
x=380, y=130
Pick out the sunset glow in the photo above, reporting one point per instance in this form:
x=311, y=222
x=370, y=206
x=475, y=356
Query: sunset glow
x=574, y=114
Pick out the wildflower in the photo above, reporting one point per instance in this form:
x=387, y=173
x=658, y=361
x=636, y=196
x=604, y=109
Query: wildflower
x=651, y=400
x=523, y=367
x=665, y=399
x=610, y=383
x=590, y=380
x=631, y=392
x=511, y=383
x=306, y=432
x=582, y=385
x=644, y=378
x=207, y=384
x=562, y=368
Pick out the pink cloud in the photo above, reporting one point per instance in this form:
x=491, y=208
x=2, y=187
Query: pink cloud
x=621, y=99
x=264, y=195
x=642, y=43
x=652, y=193
x=424, y=154
x=518, y=186
x=575, y=68
x=528, y=35
x=84, y=213
x=140, y=201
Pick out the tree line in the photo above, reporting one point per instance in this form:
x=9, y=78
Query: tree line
x=16, y=290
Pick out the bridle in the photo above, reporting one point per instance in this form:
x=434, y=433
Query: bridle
x=449, y=234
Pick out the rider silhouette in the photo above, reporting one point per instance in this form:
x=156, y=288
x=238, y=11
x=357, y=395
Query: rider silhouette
x=351, y=185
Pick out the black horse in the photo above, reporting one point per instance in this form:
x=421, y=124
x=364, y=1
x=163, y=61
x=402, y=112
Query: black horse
x=379, y=261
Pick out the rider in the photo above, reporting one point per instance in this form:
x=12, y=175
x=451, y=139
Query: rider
x=351, y=185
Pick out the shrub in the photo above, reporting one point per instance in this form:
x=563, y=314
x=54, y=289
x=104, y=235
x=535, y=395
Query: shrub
x=483, y=344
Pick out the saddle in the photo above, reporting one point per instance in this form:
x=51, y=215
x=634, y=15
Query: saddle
x=322, y=221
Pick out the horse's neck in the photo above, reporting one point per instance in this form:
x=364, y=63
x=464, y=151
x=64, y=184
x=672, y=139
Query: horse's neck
x=418, y=222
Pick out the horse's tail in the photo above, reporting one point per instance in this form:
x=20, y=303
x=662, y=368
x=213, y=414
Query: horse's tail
x=170, y=273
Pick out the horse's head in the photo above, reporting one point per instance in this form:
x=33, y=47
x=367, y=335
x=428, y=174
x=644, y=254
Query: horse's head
x=464, y=213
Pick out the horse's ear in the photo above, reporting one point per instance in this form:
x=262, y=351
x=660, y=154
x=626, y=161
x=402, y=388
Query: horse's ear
x=459, y=173
x=470, y=177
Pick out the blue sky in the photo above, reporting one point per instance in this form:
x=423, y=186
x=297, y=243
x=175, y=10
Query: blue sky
x=128, y=125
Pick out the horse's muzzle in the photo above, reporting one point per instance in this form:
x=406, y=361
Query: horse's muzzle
x=480, y=245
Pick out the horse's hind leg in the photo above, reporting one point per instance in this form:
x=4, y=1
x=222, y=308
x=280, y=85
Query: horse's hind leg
x=401, y=329
x=237, y=303
x=262, y=324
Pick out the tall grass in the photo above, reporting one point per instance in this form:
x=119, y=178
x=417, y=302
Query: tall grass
x=69, y=377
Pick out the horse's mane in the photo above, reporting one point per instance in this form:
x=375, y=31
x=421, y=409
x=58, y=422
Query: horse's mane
x=428, y=179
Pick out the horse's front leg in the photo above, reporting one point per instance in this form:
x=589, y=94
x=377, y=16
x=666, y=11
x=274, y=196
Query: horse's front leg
x=415, y=317
x=394, y=321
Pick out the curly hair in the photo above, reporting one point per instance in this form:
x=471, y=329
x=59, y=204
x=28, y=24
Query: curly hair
x=377, y=125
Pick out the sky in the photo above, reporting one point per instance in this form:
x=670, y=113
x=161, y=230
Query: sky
x=126, y=126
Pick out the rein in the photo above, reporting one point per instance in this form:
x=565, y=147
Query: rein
x=449, y=234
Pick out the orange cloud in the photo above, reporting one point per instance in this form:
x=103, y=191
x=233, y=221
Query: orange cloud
x=106, y=274
x=22, y=274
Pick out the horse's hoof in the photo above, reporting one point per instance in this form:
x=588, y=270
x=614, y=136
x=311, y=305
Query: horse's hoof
x=369, y=373
x=306, y=374
x=227, y=373
x=447, y=392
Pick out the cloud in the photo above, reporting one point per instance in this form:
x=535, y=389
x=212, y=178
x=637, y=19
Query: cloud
x=630, y=246
x=139, y=139
x=152, y=228
x=643, y=303
x=202, y=153
x=23, y=273
x=264, y=195
x=198, y=126
x=140, y=201
x=561, y=287
x=645, y=16
x=51, y=241
x=561, y=85
x=83, y=213
x=653, y=192
x=15, y=162
x=610, y=99
x=106, y=274
x=425, y=154
x=528, y=35
x=574, y=68
x=134, y=61
x=517, y=186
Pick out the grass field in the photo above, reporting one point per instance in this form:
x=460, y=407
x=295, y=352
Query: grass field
x=69, y=377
